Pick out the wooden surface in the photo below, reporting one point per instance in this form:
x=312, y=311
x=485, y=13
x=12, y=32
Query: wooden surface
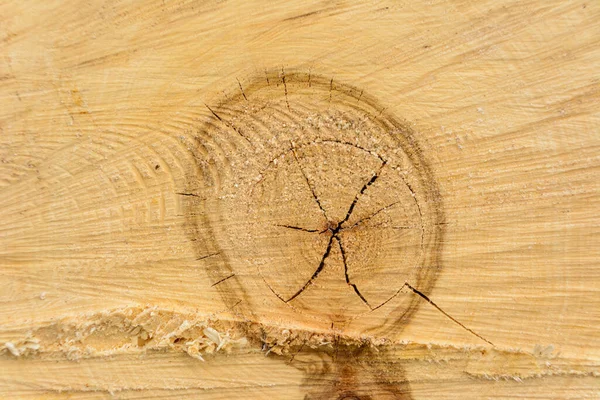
x=299, y=200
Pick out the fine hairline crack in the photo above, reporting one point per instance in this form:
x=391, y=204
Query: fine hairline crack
x=312, y=190
x=427, y=299
x=299, y=228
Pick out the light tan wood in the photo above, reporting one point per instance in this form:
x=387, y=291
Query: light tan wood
x=299, y=200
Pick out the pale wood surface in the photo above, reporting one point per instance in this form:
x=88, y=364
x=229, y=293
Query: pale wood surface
x=102, y=107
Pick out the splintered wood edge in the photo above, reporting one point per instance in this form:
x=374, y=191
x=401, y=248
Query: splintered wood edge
x=146, y=330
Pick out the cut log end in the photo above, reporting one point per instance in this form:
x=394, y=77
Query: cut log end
x=325, y=209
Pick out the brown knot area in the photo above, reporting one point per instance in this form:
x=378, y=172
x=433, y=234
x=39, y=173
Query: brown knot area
x=350, y=225
x=323, y=208
x=353, y=374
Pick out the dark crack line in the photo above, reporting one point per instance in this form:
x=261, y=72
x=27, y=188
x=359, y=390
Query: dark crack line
x=229, y=308
x=312, y=190
x=336, y=342
x=296, y=353
x=287, y=103
x=271, y=289
x=343, y=142
x=189, y=194
x=222, y=280
x=207, y=256
x=344, y=260
x=360, y=193
x=300, y=349
x=317, y=271
x=383, y=225
x=414, y=196
x=374, y=214
x=390, y=299
x=298, y=228
x=334, y=233
x=214, y=113
x=241, y=89
x=427, y=299
x=358, y=293
x=227, y=124
x=267, y=349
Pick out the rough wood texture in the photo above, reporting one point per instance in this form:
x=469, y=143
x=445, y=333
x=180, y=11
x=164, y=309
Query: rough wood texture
x=299, y=200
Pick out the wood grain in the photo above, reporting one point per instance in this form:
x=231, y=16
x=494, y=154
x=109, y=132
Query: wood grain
x=128, y=255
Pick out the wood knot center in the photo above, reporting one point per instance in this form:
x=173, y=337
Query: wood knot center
x=323, y=205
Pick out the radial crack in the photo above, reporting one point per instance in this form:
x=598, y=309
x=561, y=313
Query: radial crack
x=287, y=103
x=271, y=289
x=227, y=124
x=312, y=190
x=374, y=214
x=361, y=192
x=222, y=280
x=298, y=228
x=358, y=293
x=334, y=231
x=317, y=271
x=207, y=256
x=241, y=89
x=424, y=297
